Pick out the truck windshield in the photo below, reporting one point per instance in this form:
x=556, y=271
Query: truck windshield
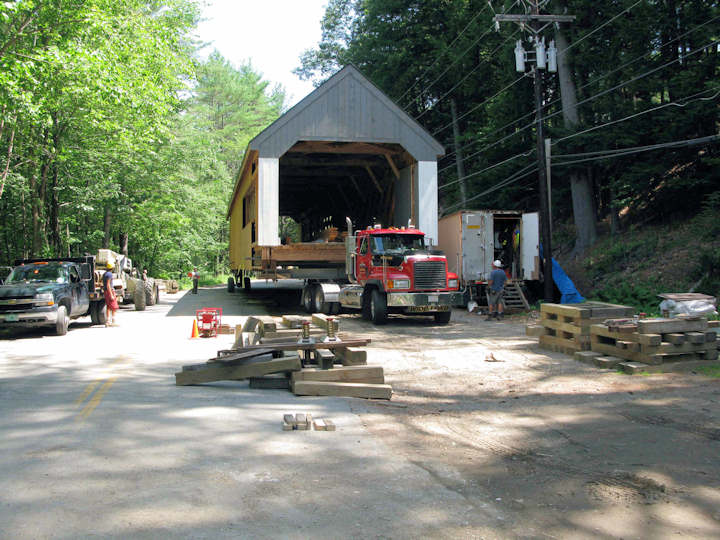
x=397, y=244
x=38, y=272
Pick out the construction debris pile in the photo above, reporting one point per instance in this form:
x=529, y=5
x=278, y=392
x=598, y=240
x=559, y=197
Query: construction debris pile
x=610, y=336
x=306, y=356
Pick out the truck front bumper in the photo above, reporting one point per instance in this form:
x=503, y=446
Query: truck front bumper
x=443, y=300
x=39, y=317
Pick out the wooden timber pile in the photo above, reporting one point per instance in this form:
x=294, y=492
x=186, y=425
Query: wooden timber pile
x=269, y=353
x=653, y=342
x=566, y=327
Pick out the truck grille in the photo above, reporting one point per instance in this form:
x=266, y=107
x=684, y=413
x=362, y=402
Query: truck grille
x=429, y=275
x=15, y=307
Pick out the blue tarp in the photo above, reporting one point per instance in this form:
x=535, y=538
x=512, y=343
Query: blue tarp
x=570, y=294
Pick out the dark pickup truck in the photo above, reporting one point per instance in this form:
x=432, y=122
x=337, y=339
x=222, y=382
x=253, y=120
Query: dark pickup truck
x=51, y=292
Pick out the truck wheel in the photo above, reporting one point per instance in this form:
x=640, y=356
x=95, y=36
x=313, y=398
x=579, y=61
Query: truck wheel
x=157, y=294
x=365, y=309
x=139, y=297
x=442, y=317
x=378, y=307
x=94, y=312
x=308, y=299
x=320, y=304
x=334, y=308
x=246, y=284
x=101, y=313
x=63, y=321
x=149, y=294
x=231, y=284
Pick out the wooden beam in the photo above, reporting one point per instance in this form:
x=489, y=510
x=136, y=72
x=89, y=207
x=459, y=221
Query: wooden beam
x=230, y=373
x=321, y=147
x=374, y=178
x=392, y=166
x=319, y=388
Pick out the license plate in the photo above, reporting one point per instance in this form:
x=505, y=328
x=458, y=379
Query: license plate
x=11, y=318
x=433, y=297
x=425, y=309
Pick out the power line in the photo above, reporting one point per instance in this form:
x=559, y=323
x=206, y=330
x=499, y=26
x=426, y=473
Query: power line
x=674, y=103
x=454, y=62
x=485, y=169
x=593, y=81
x=607, y=154
x=439, y=56
x=583, y=38
x=522, y=173
x=466, y=76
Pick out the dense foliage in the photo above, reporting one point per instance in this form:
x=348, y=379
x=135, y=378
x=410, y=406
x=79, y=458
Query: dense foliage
x=644, y=72
x=114, y=134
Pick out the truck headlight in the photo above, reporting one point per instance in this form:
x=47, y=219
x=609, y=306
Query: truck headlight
x=398, y=284
x=44, y=299
x=452, y=283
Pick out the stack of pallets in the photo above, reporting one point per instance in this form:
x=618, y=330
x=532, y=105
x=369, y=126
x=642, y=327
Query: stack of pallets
x=270, y=354
x=566, y=327
x=653, y=342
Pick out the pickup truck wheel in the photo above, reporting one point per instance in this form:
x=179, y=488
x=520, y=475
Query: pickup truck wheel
x=442, y=317
x=139, y=297
x=378, y=307
x=231, y=284
x=63, y=321
x=319, y=297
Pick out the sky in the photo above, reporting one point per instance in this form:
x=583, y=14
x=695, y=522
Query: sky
x=271, y=34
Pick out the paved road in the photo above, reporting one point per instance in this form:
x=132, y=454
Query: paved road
x=98, y=442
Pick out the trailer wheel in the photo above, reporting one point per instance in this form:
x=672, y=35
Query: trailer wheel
x=63, y=321
x=319, y=299
x=246, y=284
x=378, y=307
x=442, y=317
x=231, y=284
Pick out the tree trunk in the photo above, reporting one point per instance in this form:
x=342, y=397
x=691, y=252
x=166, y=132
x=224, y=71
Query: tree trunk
x=124, y=243
x=459, y=162
x=107, y=221
x=580, y=183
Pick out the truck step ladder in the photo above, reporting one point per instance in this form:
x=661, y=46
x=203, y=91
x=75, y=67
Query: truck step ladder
x=514, y=298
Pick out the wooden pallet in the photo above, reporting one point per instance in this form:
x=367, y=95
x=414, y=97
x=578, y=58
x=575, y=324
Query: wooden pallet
x=567, y=326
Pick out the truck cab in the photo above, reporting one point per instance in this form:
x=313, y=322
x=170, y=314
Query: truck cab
x=45, y=293
x=391, y=270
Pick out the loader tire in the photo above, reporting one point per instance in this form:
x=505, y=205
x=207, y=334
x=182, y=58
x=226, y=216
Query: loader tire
x=139, y=297
x=149, y=293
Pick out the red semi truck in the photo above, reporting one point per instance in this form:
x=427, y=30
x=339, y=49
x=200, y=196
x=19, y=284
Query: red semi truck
x=387, y=270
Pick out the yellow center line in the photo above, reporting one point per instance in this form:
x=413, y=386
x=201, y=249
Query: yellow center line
x=88, y=390
x=95, y=401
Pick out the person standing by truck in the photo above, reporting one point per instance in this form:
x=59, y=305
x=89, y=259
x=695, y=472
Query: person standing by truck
x=110, y=297
x=497, y=288
x=195, y=277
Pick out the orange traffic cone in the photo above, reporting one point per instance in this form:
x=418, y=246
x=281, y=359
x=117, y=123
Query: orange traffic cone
x=195, y=332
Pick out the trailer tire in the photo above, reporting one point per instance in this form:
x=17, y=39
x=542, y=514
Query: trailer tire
x=63, y=321
x=231, y=284
x=139, y=297
x=246, y=284
x=442, y=317
x=319, y=300
x=378, y=307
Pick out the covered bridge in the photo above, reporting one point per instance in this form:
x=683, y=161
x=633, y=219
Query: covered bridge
x=346, y=149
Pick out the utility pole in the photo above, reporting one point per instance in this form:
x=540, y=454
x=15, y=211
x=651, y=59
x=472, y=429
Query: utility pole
x=536, y=22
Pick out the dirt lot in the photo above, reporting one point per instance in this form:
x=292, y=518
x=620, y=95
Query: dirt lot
x=486, y=436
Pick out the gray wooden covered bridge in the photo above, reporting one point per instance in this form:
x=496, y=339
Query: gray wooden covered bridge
x=346, y=149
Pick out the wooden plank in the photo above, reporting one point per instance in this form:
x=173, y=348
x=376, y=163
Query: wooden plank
x=575, y=311
x=361, y=374
x=669, y=348
x=332, y=252
x=665, y=326
x=270, y=382
x=324, y=358
x=561, y=345
x=351, y=356
x=607, y=362
x=677, y=339
x=311, y=346
x=710, y=336
x=319, y=424
x=714, y=324
x=321, y=320
x=361, y=390
x=231, y=360
x=301, y=422
x=625, y=354
x=215, y=372
x=586, y=357
x=289, y=419
x=646, y=339
x=293, y=321
x=535, y=330
x=566, y=327
x=330, y=425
